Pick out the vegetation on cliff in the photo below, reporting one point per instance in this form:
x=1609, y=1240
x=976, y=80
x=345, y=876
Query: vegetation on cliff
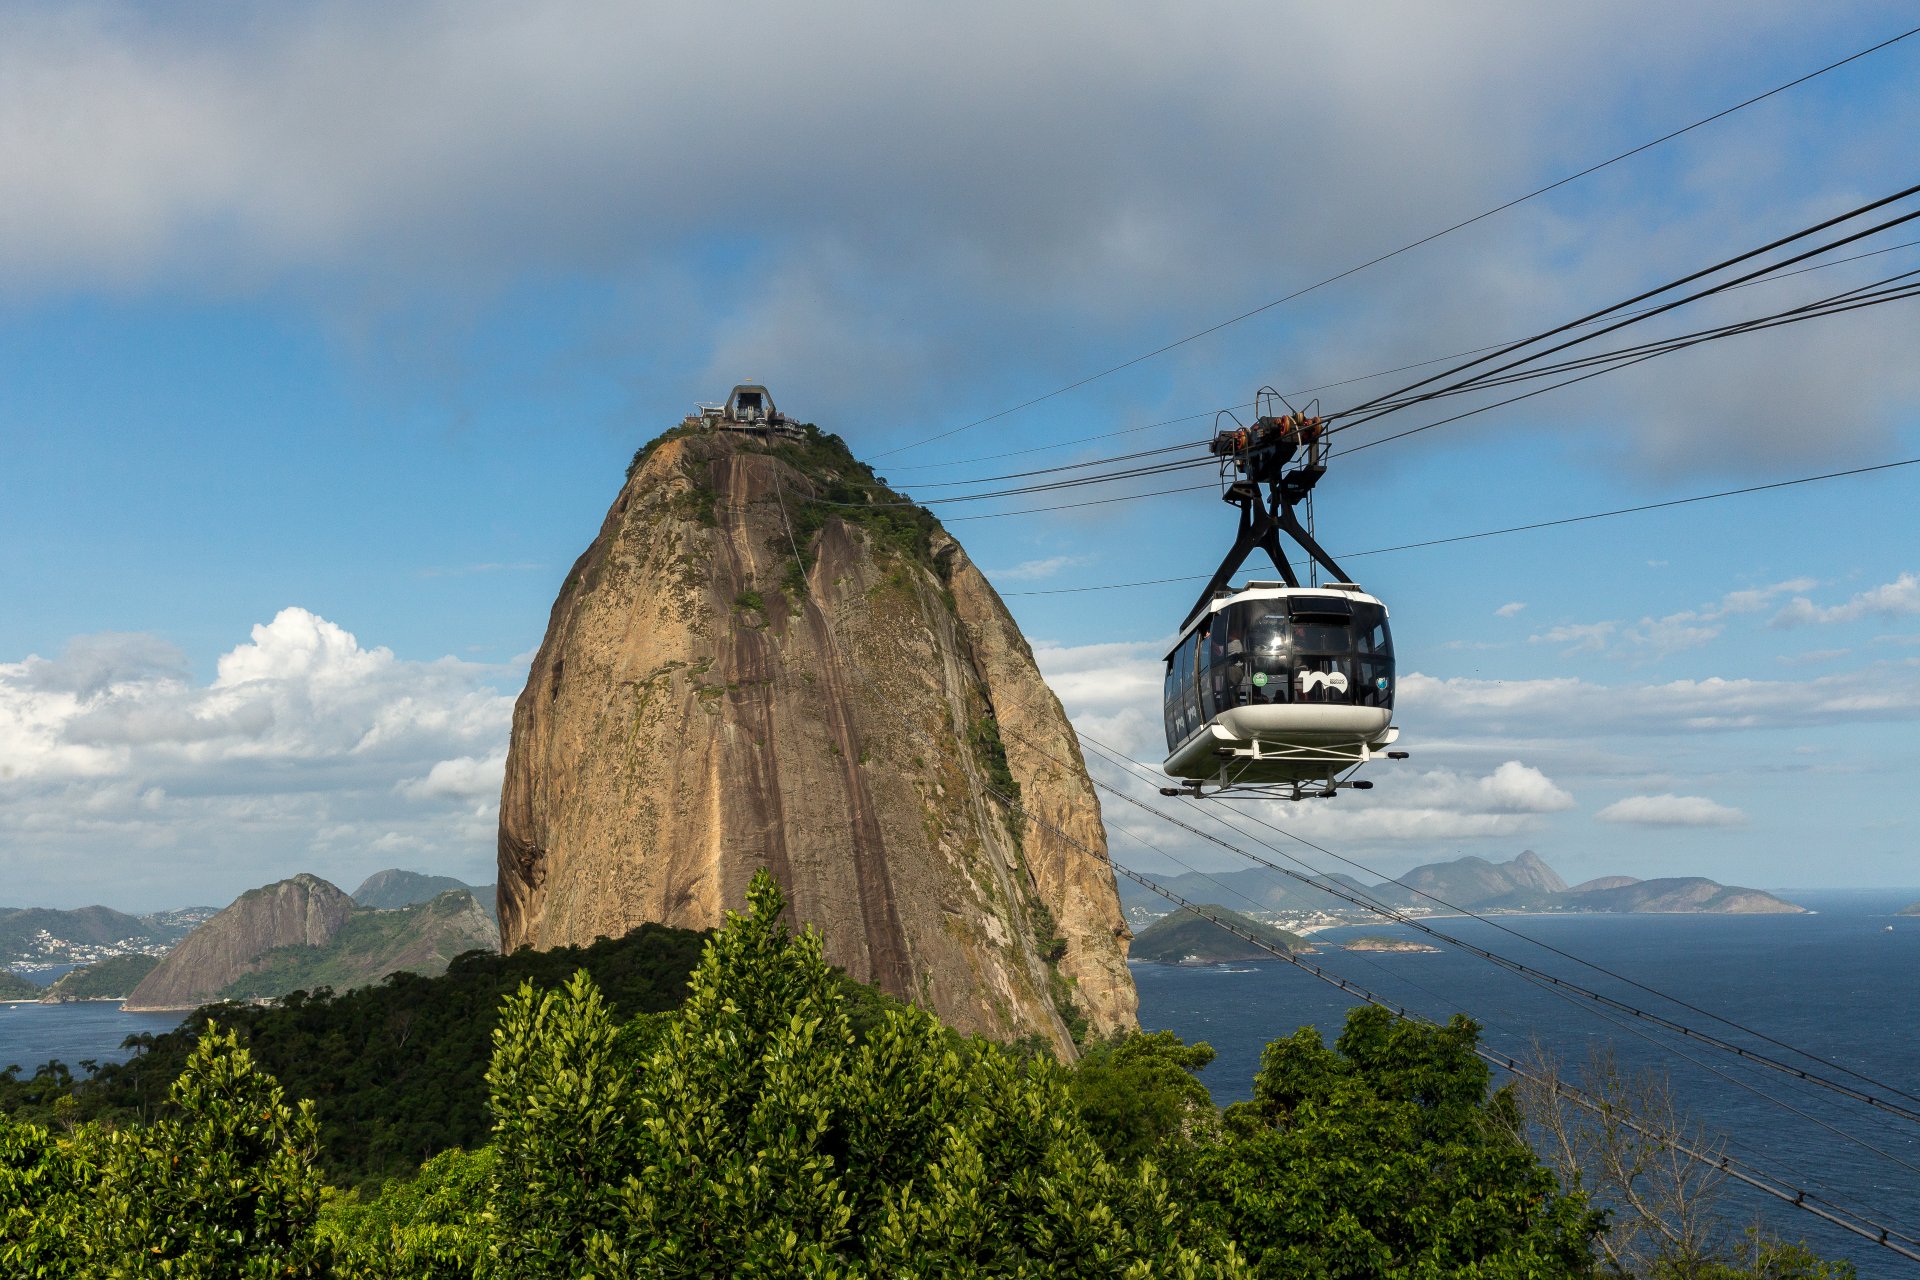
x=15, y=987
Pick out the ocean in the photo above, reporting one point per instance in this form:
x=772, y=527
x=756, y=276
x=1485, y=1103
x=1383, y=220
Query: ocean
x=1843, y=983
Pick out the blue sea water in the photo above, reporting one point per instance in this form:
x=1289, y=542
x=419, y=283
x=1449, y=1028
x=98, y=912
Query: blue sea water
x=31, y=1034
x=1843, y=983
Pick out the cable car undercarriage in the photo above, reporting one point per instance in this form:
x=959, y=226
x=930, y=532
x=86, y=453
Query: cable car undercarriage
x=1276, y=689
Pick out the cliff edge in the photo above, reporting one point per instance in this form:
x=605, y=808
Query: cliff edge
x=767, y=658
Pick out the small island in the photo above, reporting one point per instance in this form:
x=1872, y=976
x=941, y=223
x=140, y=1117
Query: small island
x=1187, y=937
x=1913, y=910
x=1381, y=942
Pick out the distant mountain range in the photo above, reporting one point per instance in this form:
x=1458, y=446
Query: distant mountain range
x=1526, y=883
x=40, y=936
x=304, y=933
x=1185, y=937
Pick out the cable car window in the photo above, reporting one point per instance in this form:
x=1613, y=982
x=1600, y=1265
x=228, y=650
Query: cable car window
x=1321, y=637
x=1166, y=708
x=1323, y=608
x=1194, y=719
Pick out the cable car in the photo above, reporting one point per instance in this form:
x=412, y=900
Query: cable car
x=1278, y=688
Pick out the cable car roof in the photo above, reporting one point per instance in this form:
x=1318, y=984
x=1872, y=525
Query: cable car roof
x=1273, y=591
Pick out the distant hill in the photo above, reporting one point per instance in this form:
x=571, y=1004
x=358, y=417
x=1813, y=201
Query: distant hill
x=304, y=932
x=1913, y=910
x=111, y=979
x=1270, y=889
x=1185, y=937
x=1473, y=882
x=421, y=938
x=386, y=890
x=15, y=987
x=1526, y=883
x=1684, y=893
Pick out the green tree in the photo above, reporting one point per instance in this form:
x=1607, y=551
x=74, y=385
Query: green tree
x=1385, y=1157
x=228, y=1186
x=43, y=1186
x=432, y=1226
x=1138, y=1095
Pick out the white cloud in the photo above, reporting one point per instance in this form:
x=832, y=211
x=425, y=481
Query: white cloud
x=1510, y=610
x=463, y=777
x=1652, y=637
x=1897, y=599
x=1034, y=570
x=1671, y=811
x=922, y=195
x=1569, y=708
x=1579, y=637
x=305, y=751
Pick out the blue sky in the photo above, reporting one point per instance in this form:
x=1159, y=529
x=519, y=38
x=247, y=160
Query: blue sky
x=325, y=336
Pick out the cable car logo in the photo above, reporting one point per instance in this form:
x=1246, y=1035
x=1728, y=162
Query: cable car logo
x=1334, y=680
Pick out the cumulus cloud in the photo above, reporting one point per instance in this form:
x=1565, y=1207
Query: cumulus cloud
x=897, y=176
x=1510, y=610
x=307, y=749
x=1671, y=811
x=1897, y=599
x=462, y=777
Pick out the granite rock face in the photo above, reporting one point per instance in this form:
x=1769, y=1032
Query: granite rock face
x=304, y=911
x=738, y=673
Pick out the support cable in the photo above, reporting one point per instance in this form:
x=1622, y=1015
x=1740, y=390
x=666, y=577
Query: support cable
x=1301, y=392
x=1690, y=278
x=1406, y=248
x=1487, y=533
x=1515, y=966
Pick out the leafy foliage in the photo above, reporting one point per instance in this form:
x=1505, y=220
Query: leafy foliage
x=771, y=1125
x=227, y=1187
x=397, y=1071
x=110, y=979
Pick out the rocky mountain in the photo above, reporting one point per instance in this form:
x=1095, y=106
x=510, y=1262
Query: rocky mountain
x=305, y=911
x=1471, y=881
x=422, y=937
x=768, y=658
x=304, y=933
x=1186, y=937
x=393, y=888
x=111, y=979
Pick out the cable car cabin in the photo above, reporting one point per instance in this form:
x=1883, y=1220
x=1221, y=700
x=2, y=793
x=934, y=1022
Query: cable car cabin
x=1275, y=687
